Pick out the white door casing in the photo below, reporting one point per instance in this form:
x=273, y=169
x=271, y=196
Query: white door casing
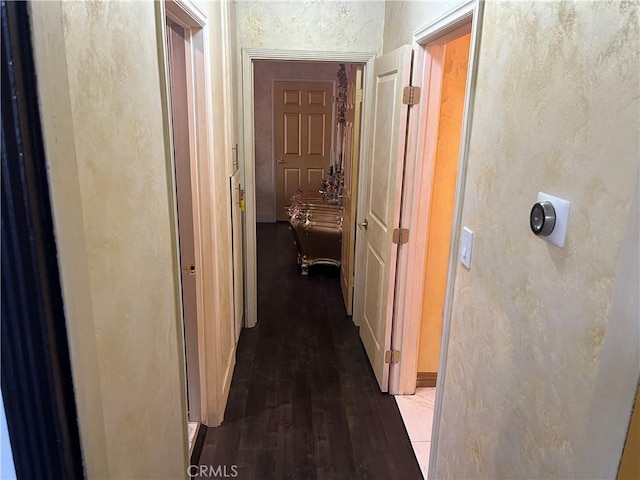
x=179, y=49
x=410, y=268
x=236, y=244
x=216, y=343
x=248, y=146
x=375, y=283
x=351, y=157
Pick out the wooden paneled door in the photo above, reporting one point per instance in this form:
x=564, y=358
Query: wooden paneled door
x=375, y=284
x=303, y=123
x=349, y=199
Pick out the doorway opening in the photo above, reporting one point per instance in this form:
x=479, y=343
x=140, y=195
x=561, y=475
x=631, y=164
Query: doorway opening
x=293, y=137
x=445, y=69
x=185, y=47
x=307, y=139
x=449, y=59
x=260, y=160
x=178, y=49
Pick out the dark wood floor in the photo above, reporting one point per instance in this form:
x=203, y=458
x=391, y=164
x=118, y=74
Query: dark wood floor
x=304, y=403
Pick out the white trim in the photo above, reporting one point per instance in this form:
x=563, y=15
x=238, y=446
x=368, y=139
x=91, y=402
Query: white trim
x=448, y=22
x=190, y=16
x=188, y=13
x=472, y=74
x=161, y=23
x=198, y=394
x=208, y=345
x=421, y=152
x=422, y=137
x=192, y=442
x=310, y=56
x=248, y=57
x=222, y=49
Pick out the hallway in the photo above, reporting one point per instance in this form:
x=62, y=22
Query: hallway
x=304, y=402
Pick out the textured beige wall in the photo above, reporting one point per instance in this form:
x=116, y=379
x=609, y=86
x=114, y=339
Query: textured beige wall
x=341, y=26
x=103, y=127
x=619, y=360
x=264, y=74
x=402, y=18
x=556, y=110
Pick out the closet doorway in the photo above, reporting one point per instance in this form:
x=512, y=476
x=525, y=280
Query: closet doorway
x=187, y=122
x=451, y=59
x=179, y=79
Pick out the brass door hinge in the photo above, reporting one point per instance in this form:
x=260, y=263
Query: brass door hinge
x=400, y=235
x=358, y=95
x=235, y=162
x=392, y=356
x=411, y=95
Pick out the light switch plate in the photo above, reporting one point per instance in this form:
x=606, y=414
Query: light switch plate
x=466, y=246
x=561, y=207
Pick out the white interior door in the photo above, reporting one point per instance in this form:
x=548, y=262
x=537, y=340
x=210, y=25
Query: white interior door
x=351, y=157
x=377, y=257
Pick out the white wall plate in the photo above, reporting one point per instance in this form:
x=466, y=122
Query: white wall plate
x=466, y=246
x=561, y=207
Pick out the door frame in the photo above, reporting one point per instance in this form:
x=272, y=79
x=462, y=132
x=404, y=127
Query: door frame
x=193, y=19
x=423, y=125
x=356, y=147
x=248, y=144
x=423, y=130
x=190, y=329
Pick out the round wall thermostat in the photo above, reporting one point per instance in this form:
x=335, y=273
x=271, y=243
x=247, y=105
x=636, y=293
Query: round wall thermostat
x=542, y=218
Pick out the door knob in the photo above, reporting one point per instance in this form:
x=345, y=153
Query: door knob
x=363, y=225
x=281, y=161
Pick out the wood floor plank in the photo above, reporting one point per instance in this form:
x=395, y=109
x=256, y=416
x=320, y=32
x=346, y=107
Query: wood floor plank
x=296, y=450
x=334, y=455
x=304, y=402
x=256, y=464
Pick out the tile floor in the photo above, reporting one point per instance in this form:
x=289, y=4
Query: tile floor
x=417, y=414
x=193, y=430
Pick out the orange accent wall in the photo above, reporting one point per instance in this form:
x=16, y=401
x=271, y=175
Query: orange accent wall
x=442, y=198
x=630, y=462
